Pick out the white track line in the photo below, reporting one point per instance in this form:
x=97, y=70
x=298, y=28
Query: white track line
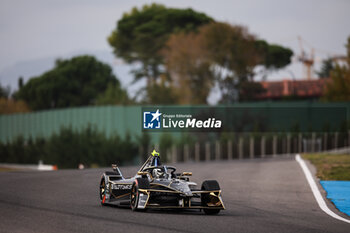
x=315, y=190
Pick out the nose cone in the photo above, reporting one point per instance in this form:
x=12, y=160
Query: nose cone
x=188, y=193
x=182, y=187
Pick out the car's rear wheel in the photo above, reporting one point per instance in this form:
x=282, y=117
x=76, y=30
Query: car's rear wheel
x=135, y=193
x=209, y=185
x=103, y=191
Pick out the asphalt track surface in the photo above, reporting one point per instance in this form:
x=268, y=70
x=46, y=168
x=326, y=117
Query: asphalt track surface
x=260, y=195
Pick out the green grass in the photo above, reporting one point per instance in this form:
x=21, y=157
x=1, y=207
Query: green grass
x=330, y=167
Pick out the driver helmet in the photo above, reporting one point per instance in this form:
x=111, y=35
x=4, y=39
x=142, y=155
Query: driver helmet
x=157, y=173
x=155, y=159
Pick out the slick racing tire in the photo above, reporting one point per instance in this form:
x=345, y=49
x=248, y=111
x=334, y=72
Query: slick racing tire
x=139, y=183
x=103, y=190
x=209, y=185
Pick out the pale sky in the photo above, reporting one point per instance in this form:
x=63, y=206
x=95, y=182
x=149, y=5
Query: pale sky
x=39, y=29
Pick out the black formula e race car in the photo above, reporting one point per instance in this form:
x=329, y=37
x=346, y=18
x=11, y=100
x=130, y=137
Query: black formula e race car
x=157, y=186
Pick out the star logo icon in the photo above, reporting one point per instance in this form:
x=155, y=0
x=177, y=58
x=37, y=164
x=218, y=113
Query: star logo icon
x=151, y=120
x=156, y=115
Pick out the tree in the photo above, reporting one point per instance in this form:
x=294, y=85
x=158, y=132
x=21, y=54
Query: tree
x=160, y=93
x=8, y=106
x=114, y=94
x=4, y=92
x=273, y=56
x=223, y=53
x=233, y=53
x=188, y=64
x=20, y=82
x=73, y=82
x=326, y=68
x=338, y=89
x=236, y=53
x=141, y=34
x=249, y=90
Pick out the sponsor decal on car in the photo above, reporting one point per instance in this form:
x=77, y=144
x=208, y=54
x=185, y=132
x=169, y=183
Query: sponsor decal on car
x=121, y=186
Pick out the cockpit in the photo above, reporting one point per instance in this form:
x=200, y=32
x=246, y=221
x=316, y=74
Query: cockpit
x=154, y=168
x=161, y=172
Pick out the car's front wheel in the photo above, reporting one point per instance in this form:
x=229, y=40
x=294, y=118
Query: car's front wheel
x=209, y=185
x=135, y=193
x=134, y=197
x=103, y=191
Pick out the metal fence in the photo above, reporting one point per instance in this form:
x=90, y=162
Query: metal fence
x=257, y=146
x=107, y=119
x=120, y=120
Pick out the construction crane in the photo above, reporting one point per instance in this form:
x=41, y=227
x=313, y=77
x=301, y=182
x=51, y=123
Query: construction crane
x=307, y=60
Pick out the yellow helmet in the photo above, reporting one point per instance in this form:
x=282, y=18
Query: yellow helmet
x=155, y=153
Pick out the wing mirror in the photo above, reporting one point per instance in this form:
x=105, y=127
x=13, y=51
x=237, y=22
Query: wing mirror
x=186, y=174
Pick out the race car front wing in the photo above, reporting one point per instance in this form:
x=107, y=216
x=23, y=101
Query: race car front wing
x=146, y=199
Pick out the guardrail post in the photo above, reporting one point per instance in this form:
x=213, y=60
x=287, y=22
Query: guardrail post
x=313, y=142
x=168, y=155
x=262, y=145
x=240, y=147
x=335, y=140
x=196, y=152
x=217, y=150
x=229, y=149
x=174, y=154
x=325, y=137
x=207, y=151
x=274, y=145
x=300, y=137
x=251, y=147
x=294, y=145
x=288, y=143
x=186, y=153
